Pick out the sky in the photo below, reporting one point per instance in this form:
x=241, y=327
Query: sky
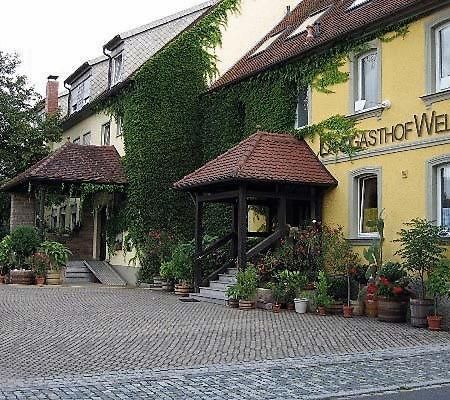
x=54, y=37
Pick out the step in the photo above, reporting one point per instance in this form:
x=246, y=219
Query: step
x=232, y=271
x=213, y=293
x=226, y=278
x=206, y=299
x=219, y=285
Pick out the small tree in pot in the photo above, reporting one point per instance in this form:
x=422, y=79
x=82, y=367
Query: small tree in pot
x=323, y=299
x=40, y=263
x=438, y=285
x=181, y=266
x=421, y=251
x=247, y=286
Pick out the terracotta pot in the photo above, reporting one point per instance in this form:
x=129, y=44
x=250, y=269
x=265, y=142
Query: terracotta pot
x=291, y=306
x=392, y=310
x=434, y=322
x=348, y=311
x=420, y=309
x=247, y=304
x=22, y=277
x=40, y=280
x=322, y=311
x=276, y=308
x=183, y=290
x=53, y=278
x=358, y=308
x=2, y=279
x=371, y=308
x=334, y=308
x=233, y=303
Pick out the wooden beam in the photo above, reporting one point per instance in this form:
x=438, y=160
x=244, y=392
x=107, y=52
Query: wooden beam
x=282, y=212
x=198, y=242
x=242, y=228
x=227, y=195
x=41, y=212
x=216, y=245
x=234, y=230
x=276, y=195
x=313, y=204
x=266, y=243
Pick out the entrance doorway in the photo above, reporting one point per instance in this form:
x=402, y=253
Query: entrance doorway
x=102, y=234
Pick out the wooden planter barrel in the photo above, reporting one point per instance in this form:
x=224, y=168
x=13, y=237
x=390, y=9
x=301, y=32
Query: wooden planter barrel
x=167, y=286
x=183, y=290
x=371, y=307
x=334, y=308
x=247, y=304
x=420, y=309
x=22, y=277
x=358, y=308
x=53, y=278
x=392, y=310
x=233, y=303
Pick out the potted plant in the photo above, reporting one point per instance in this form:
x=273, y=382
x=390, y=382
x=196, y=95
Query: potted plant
x=58, y=255
x=233, y=297
x=167, y=275
x=247, y=285
x=40, y=263
x=293, y=282
x=6, y=258
x=438, y=285
x=24, y=243
x=391, y=294
x=278, y=295
x=181, y=267
x=358, y=277
x=323, y=299
x=301, y=303
x=421, y=251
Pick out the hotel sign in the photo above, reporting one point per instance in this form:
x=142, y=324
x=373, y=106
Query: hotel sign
x=420, y=126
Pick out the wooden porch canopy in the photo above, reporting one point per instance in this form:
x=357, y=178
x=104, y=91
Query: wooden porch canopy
x=266, y=168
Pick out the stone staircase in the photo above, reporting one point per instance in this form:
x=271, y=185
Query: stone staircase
x=76, y=272
x=216, y=291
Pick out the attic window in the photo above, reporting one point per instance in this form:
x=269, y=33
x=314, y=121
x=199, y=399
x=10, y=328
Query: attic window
x=310, y=21
x=358, y=3
x=266, y=44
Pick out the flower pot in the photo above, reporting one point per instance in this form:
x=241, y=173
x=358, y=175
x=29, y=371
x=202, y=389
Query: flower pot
x=348, y=311
x=371, y=307
x=53, y=278
x=167, y=286
x=183, y=290
x=2, y=279
x=392, y=310
x=358, y=308
x=291, y=306
x=247, y=304
x=334, y=308
x=22, y=277
x=40, y=280
x=276, y=307
x=434, y=322
x=420, y=309
x=233, y=303
x=301, y=305
x=322, y=311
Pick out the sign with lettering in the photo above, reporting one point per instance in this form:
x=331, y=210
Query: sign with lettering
x=419, y=127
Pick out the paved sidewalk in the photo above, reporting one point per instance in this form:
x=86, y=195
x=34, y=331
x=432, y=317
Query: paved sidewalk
x=320, y=377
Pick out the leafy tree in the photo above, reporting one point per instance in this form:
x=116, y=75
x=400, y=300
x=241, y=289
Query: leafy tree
x=24, y=133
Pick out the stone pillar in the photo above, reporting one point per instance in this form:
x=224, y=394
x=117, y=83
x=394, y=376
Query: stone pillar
x=23, y=210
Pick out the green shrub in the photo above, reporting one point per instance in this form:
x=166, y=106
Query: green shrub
x=180, y=265
x=292, y=282
x=247, y=283
x=40, y=263
x=24, y=242
x=323, y=298
x=57, y=253
x=438, y=283
x=6, y=255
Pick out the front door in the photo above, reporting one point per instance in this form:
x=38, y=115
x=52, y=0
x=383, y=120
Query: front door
x=102, y=236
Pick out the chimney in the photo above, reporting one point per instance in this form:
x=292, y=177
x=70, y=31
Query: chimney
x=51, y=95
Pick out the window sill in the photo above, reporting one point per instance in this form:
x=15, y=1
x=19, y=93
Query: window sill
x=362, y=241
x=431, y=98
x=368, y=113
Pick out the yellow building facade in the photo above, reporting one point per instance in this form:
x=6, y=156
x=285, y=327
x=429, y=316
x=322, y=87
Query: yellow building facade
x=399, y=94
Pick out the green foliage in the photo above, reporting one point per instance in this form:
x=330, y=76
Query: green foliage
x=247, y=283
x=392, y=280
x=323, y=297
x=57, y=253
x=337, y=252
x=374, y=253
x=438, y=283
x=420, y=248
x=278, y=292
x=180, y=265
x=233, y=292
x=40, y=263
x=24, y=242
x=6, y=252
x=292, y=281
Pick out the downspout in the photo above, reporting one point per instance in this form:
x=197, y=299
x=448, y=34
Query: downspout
x=68, y=98
x=109, y=65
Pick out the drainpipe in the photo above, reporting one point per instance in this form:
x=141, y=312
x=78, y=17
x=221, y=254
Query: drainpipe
x=109, y=65
x=68, y=98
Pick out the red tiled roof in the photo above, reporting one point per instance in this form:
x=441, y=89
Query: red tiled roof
x=264, y=157
x=337, y=23
x=74, y=163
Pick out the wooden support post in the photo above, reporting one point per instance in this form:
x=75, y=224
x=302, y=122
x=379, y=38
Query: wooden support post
x=242, y=228
x=282, y=212
x=313, y=203
x=41, y=217
x=234, y=230
x=198, y=242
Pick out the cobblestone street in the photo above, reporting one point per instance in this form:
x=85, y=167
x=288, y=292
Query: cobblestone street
x=103, y=343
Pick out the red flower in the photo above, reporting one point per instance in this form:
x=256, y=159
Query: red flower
x=384, y=280
x=397, y=290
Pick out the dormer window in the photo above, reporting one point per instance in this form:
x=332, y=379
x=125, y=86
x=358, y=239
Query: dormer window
x=310, y=21
x=116, y=69
x=267, y=44
x=358, y=3
x=80, y=95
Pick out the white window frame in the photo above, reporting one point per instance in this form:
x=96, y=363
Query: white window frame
x=119, y=127
x=116, y=73
x=103, y=130
x=441, y=83
x=359, y=96
x=85, y=135
x=77, y=140
x=439, y=170
x=361, y=188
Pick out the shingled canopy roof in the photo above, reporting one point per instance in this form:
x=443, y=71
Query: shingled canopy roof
x=340, y=21
x=266, y=158
x=74, y=163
